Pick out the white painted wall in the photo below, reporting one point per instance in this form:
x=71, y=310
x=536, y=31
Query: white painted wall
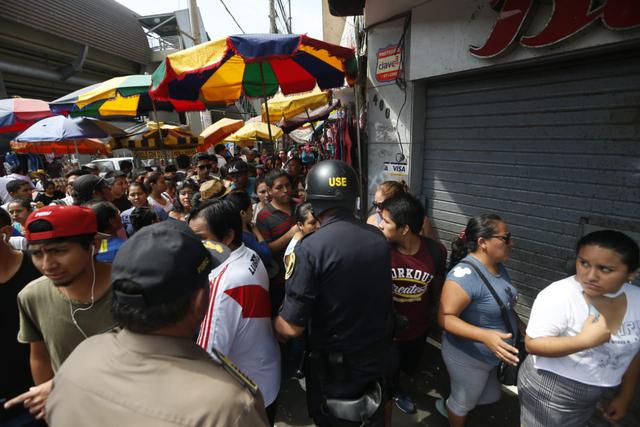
x=388, y=138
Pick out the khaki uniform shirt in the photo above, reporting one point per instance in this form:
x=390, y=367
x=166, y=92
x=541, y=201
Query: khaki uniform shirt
x=126, y=379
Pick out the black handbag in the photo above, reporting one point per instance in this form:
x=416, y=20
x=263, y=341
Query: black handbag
x=507, y=373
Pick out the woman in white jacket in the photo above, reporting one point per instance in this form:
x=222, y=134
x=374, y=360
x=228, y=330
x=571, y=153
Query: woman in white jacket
x=583, y=337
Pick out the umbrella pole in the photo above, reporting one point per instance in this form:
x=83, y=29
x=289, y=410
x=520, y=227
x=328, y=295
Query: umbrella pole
x=306, y=110
x=155, y=113
x=266, y=104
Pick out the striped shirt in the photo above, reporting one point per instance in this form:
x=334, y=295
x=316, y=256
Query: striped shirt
x=274, y=223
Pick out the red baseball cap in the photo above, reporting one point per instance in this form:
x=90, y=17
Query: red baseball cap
x=65, y=221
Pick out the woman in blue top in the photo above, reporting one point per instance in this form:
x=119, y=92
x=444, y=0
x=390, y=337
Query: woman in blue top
x=475, y=338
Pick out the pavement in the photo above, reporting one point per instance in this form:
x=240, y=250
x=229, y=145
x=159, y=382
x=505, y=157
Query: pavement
x=425, y=387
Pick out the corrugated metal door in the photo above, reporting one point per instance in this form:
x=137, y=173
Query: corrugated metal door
x=543, y=147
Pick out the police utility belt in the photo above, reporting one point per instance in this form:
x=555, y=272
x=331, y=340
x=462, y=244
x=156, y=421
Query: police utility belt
x=326, y=368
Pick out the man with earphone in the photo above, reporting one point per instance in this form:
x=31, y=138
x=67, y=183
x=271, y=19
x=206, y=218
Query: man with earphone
x=69, y=303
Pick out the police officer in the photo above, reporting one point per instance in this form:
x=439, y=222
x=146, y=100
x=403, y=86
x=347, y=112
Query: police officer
x=151, y=372
x=339, y=289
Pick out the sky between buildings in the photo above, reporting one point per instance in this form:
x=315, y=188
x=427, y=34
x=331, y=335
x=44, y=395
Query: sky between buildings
x=252, y=15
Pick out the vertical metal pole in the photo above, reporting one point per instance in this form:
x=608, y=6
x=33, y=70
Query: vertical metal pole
x=290, y=27
x=272, y=17
x=266, y=104
x=358, y=139
x=195, y=24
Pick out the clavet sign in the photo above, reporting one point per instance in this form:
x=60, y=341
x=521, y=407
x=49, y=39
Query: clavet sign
x=568, y=18
x=388, y=64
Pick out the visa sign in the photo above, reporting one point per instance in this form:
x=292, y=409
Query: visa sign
x=388, y=63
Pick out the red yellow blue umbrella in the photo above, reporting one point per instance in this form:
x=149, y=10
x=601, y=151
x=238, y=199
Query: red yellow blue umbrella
x=125, y=96
x=256, y=65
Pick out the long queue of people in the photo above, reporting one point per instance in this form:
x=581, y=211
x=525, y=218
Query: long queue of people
x=105, y=266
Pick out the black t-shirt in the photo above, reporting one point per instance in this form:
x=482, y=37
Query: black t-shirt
x=46, y=200
x=122, y=203
x=15, y=374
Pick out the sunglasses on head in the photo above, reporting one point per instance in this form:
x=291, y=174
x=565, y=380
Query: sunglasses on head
x=506, y=238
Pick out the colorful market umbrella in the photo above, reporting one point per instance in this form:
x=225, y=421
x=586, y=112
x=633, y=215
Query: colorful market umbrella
x=218, y=131
x=309, y=116
x=151, y=139
x=257, y=65
x=60, y=128
x=81, y=146
x=254, y=130
x=286, y=106
x=17, y=114
x=126, y=96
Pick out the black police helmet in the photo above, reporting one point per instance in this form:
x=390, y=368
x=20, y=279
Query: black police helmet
x=332, y=184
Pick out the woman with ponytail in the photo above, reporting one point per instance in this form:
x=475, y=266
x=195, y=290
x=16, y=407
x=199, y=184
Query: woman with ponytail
x=476, y=337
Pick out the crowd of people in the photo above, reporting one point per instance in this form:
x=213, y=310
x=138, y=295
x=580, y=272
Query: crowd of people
x=165, y=296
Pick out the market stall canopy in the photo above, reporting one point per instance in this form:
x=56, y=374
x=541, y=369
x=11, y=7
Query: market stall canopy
x=125, y=96
x=81, y=146
x=321, y=113
x=218, y=131
x=60, y=128
x=257, y=65
x=254, y=130
x=17, y=114
x=286, y=106
x=150, y=139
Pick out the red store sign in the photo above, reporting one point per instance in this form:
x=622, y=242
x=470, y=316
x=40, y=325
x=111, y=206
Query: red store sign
x=567, y=19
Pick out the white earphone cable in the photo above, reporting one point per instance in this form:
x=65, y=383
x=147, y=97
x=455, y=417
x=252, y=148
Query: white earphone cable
x=93, y=285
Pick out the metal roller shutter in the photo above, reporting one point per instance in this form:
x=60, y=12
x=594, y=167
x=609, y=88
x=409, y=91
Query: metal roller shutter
x=543, y=147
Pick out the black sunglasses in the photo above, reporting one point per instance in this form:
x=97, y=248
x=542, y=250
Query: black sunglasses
x=201, y=167
x=377, y=205
x=506, y=238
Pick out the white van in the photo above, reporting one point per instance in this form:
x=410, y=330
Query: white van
x=111, y=164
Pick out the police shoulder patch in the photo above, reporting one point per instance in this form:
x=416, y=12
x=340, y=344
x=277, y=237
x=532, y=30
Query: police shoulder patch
x=235, y=372
x=290, y=265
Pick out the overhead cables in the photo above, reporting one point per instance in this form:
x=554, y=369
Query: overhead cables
x=232, y=17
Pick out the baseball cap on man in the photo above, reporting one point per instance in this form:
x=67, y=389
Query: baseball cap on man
x=85, y=185
x=62, y=221
x=238, y=166
x=167, y=260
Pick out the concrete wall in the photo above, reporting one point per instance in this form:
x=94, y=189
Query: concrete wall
x=332, y=26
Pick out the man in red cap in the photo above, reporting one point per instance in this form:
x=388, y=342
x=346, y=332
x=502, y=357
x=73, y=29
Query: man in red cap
x=69, y=303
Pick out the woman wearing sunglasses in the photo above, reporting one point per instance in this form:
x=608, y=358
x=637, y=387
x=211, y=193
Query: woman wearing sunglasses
x=387, y=190
x=476, y=337
x=182, y=206
x=584, y=337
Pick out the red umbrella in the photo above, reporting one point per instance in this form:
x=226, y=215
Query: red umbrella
x=78, y=146
x=17, y=114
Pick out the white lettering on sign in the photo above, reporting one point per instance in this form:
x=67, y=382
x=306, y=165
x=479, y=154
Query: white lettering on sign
x=388, y=63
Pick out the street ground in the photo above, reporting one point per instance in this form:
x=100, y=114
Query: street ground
x=431, y=383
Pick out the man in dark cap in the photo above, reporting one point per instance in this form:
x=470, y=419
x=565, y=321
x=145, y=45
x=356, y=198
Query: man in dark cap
x=91, y=187
x=238, y=174
x=151, y=372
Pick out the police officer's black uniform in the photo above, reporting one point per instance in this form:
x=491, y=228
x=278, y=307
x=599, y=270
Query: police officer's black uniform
x=339, y=288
